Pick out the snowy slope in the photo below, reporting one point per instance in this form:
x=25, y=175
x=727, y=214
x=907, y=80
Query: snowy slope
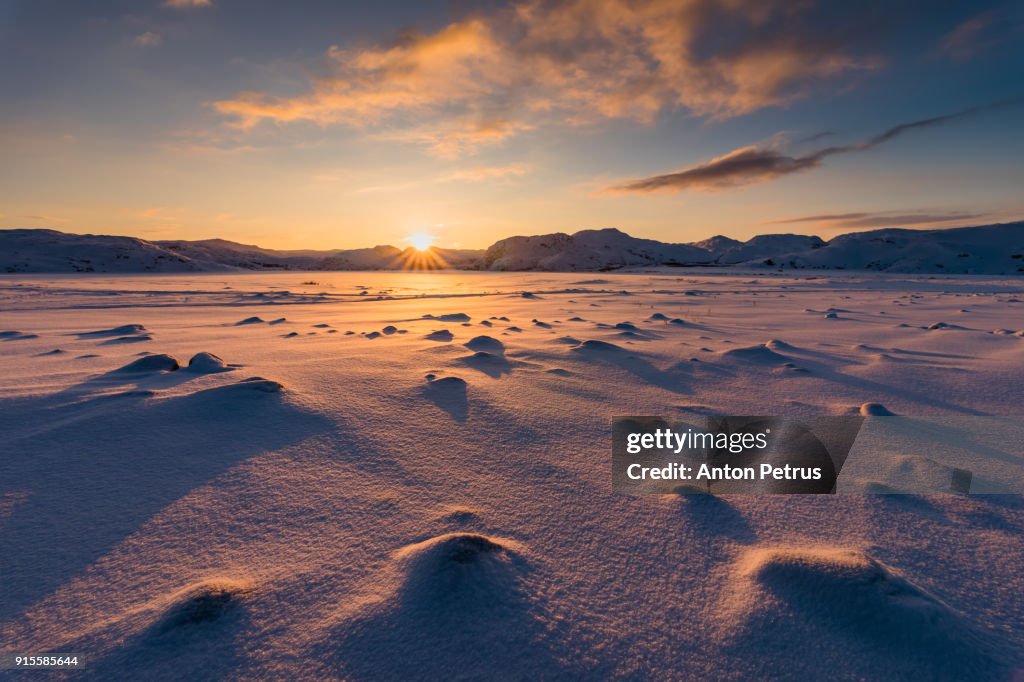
x=718, y=245
x=243, y=256
x=989, y=249
x=592, y=250
x=52, y=251
x=770, y=246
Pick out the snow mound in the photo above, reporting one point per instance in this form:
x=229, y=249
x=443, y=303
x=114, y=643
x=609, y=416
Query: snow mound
x=159, y=362
x=761, y=354
x=249, y=320
x=249, y=386
x=600, y=346
x=201, y=604
x=207, y=363
x=488, y=344
x=258, y=384
x=864, y=620
x=126, y=339
x=875, y=410
x=440, y=335
x=448, y=383
x=449, y=394
x=779, y=345
x=458, y=604
x=450, y=317
x=458, y=572
x=123, y=330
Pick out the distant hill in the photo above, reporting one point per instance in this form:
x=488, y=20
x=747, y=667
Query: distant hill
x=52, y=251
x=987, y=249
x=608, y=249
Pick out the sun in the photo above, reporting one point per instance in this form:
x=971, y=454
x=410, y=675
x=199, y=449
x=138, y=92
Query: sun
x=421, y=241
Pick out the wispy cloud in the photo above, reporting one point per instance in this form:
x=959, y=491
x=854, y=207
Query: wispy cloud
x=744, y=166
x=750, y=165
x=452, y=139
x=147, y=39
x=484, y=173
x=186, y=4
x=867, y=219
x=573, y=62
x=983, y=32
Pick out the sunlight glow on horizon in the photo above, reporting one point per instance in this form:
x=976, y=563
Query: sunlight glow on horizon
x=421, y=241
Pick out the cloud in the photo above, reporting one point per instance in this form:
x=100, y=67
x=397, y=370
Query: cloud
x=187, y=4
x=861, y=220
x=455, y=66
x=482, y=173
x=750, y=165
x=451, y=139
x=147, y=39
x=979, y=33
x=739, y=167
x=572, y=62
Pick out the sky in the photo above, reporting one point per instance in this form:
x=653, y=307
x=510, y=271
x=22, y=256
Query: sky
x=320, y=124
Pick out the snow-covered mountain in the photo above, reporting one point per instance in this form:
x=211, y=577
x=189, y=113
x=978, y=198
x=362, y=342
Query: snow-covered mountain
x=52, y=251
x=769, y=246
x=607, y=249
x=987, y=249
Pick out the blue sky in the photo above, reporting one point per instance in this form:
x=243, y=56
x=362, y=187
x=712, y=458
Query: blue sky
x=344, y=124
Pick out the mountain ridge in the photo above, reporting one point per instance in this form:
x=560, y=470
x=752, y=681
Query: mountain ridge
x=983, y=249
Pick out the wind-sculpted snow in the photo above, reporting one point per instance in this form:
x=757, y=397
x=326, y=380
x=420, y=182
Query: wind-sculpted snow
x=273, y=501
x=859, y=616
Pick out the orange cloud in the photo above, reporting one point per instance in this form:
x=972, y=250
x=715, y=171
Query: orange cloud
x=460, y=64
x=482, y=173
x=451, y=139
x=573, y=62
